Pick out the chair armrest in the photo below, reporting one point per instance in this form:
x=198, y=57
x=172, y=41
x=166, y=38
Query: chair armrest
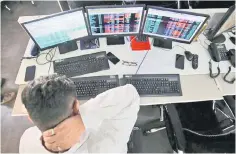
x=174, y=127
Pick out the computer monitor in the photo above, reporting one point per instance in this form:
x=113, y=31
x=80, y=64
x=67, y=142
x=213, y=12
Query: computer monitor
x=116, y=20
x=172, y=25
x=61, y=29
x=226, y=23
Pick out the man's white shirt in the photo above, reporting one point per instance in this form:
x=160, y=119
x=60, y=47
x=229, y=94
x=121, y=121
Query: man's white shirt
x=108, y=118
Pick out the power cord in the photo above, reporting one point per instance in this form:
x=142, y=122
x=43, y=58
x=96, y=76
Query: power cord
x=49, y=60
x=142, y=61
x=231, y=81
x=210, y=69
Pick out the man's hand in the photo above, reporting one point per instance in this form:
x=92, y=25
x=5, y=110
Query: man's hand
x=66, y=134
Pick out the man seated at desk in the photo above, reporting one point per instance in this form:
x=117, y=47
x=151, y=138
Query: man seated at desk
x=102, y=124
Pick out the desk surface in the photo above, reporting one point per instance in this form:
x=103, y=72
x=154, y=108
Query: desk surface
x=197, y=87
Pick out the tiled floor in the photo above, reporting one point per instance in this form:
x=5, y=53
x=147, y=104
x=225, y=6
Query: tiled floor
x=14, y=41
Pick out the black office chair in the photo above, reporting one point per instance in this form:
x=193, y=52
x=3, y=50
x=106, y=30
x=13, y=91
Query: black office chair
x=149, y=134
x=198, y=119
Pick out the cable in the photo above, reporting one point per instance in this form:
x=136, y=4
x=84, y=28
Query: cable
x=208, y=135
x=51, y=60
x=45, y=57
x=231, y=81
x=142, y=62
x=210, y=69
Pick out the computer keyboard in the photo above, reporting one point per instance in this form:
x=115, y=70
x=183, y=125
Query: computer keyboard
x=89, y=87
x=155, y=84
x=80, y=65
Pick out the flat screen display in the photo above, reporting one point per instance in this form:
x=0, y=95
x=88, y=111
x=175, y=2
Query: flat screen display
x=173, y=25
x=115, y=21
x=57, y=29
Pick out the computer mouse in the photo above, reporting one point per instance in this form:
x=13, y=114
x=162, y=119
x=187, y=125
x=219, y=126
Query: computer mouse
x=232, y=39
x=195, y=61
x=188, y=55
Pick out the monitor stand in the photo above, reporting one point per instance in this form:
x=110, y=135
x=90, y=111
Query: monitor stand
x=115, y=40
x=67, y=47
x=162, y=43
x=89, y=43
x=219, y=39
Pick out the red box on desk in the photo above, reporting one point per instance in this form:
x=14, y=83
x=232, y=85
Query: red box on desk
x=139, y=46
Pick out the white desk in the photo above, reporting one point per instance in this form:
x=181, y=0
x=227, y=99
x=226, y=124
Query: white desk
x=123, y=52
x=196, y=85
x=226, y=88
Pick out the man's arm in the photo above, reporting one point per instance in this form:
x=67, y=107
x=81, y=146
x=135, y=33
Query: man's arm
x=111, y=116
x=116, y=112
x=118, y=104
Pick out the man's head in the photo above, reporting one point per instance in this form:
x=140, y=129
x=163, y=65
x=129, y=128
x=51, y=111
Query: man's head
x=49, y=100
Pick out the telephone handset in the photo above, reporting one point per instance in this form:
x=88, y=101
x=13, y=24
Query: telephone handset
x=215, y=51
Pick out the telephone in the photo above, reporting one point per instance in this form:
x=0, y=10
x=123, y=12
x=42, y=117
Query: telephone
x=216, y=50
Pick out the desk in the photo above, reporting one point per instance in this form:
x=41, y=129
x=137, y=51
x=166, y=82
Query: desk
x=196, y=85
x=226, y=88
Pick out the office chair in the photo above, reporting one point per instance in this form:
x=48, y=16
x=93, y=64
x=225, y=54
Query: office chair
x=150, y=132
x=199, y=122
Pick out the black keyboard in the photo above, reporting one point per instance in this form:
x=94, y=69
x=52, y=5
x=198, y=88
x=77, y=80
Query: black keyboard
x=155, y=85
x=89, y=87
x=80, y=65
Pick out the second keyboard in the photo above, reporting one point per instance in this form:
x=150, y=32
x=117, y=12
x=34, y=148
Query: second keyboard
x=80, y=65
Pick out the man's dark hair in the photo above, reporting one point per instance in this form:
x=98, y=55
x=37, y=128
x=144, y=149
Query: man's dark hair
x=49, y=100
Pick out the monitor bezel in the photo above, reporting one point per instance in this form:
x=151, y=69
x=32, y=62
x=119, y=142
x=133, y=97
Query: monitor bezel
x=226, y=16
x=177, y=11
x=115, y=6
x=53, y=15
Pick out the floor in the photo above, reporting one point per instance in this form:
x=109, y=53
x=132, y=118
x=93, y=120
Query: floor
x=14, y=41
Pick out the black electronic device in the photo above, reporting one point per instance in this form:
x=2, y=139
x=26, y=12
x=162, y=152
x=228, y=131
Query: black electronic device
x=162, y=43
x=34, y=50
x=154, y=84
x=226, y=23
x=232, y=39
x=195, y=61
x=218, y=52
x=80, y=65
x=30, y=73
x=92, y=43
x=231, y=55
x=167, y=25
x=89, y=87
x=188, y=55
x=67, y=47
x=115, y=21
x=141, y=38
x=61, y=29
x=116, y=40
x=112, y=58
x=179, y=61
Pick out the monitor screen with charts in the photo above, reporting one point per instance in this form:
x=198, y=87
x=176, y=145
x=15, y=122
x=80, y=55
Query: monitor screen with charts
x=115, y=20
x=173, y=24
x=58, y=28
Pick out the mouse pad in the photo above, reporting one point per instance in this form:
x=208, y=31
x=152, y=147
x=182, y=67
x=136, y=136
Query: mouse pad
x=84, y=45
